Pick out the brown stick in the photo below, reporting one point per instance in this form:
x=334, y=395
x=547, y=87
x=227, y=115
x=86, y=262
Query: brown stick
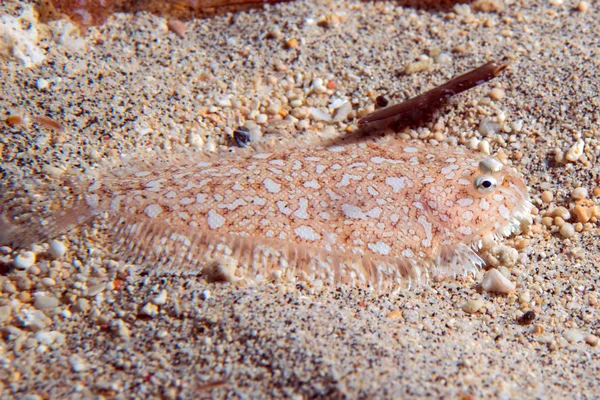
x=438, y=96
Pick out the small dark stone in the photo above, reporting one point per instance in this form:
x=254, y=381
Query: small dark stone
x=381, y=101
x=241, y=136
x=527, y=318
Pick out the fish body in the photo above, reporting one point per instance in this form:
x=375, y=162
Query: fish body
x=380, y=212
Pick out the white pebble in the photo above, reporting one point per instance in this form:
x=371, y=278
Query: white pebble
x=224, y=102
x=487, y=127
x=45, y=302
x=494, y=281
x=573, y=336
x=472, y=306
x=261, y=119
x=342, y=112
x=161, y=299
x=49, y=282
x=484, y=147
x=57, y=249
x=34, y=320
x=206, y=294
x=580, y=193
x=210, y=146
x=303, y=124
x=443, y=58
x=318, y=86
x=517, y=125
x=576, y=151
x=24, y=260
x=567, y=230
x=319, y=115
x=502, y=256
x=473, y=143
x=51, y=337
x=255, y=134
x=77, y=363
x=5, y=312
x=195, y=140
x=93, y=290
x=42, y=83
x=336, y=103
x=149, y=310
x=274, y=108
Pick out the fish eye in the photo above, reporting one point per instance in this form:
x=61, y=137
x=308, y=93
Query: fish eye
x=485, y=183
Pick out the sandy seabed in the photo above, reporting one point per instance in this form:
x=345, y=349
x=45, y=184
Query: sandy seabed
x=86, y=326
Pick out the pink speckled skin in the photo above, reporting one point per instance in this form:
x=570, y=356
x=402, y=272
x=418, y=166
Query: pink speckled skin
x=391, y=208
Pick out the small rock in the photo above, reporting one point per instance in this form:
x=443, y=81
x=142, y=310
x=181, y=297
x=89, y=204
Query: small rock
x=497, y=94
x=222, y=270
x=583, y=6
x=525, y=297
x=57, y=249
x=381, y=101
x=318, y=115
x=576, y=151
x=177, y=27
x=567, y=230
x=592, y=340
x=45, y=302
x=583, y=214
x=81, y=305
x=580, y=193
x=121, y=329
x=224, y=102
x=527, y=318
x=9, y=288
x=573, y=336
x=494, y=281
x=538, y=329
x=5, y=312
x=484, y=146
x=547, y=196
x=195, y=140
x=48, y=282
x=49, y=338
x=210, y=146
x=23, y=283
x=410, y=316
x=545, y=339
x=502, y=256
x=149, y=310
x=34, y=320
x=342, y=112
x=396, y=314
x=77, y=363
x=42, y=83
x=94, y=290
x=24, y=260
x=262, y=119
x=318, y=86
x=424, y=64
x=472, y=306
x=161, y=299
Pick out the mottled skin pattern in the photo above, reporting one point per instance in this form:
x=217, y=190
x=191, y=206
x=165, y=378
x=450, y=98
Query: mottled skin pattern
x=404, y=201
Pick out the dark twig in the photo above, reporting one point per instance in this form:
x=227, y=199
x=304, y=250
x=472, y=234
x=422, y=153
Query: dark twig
x=434, y=98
